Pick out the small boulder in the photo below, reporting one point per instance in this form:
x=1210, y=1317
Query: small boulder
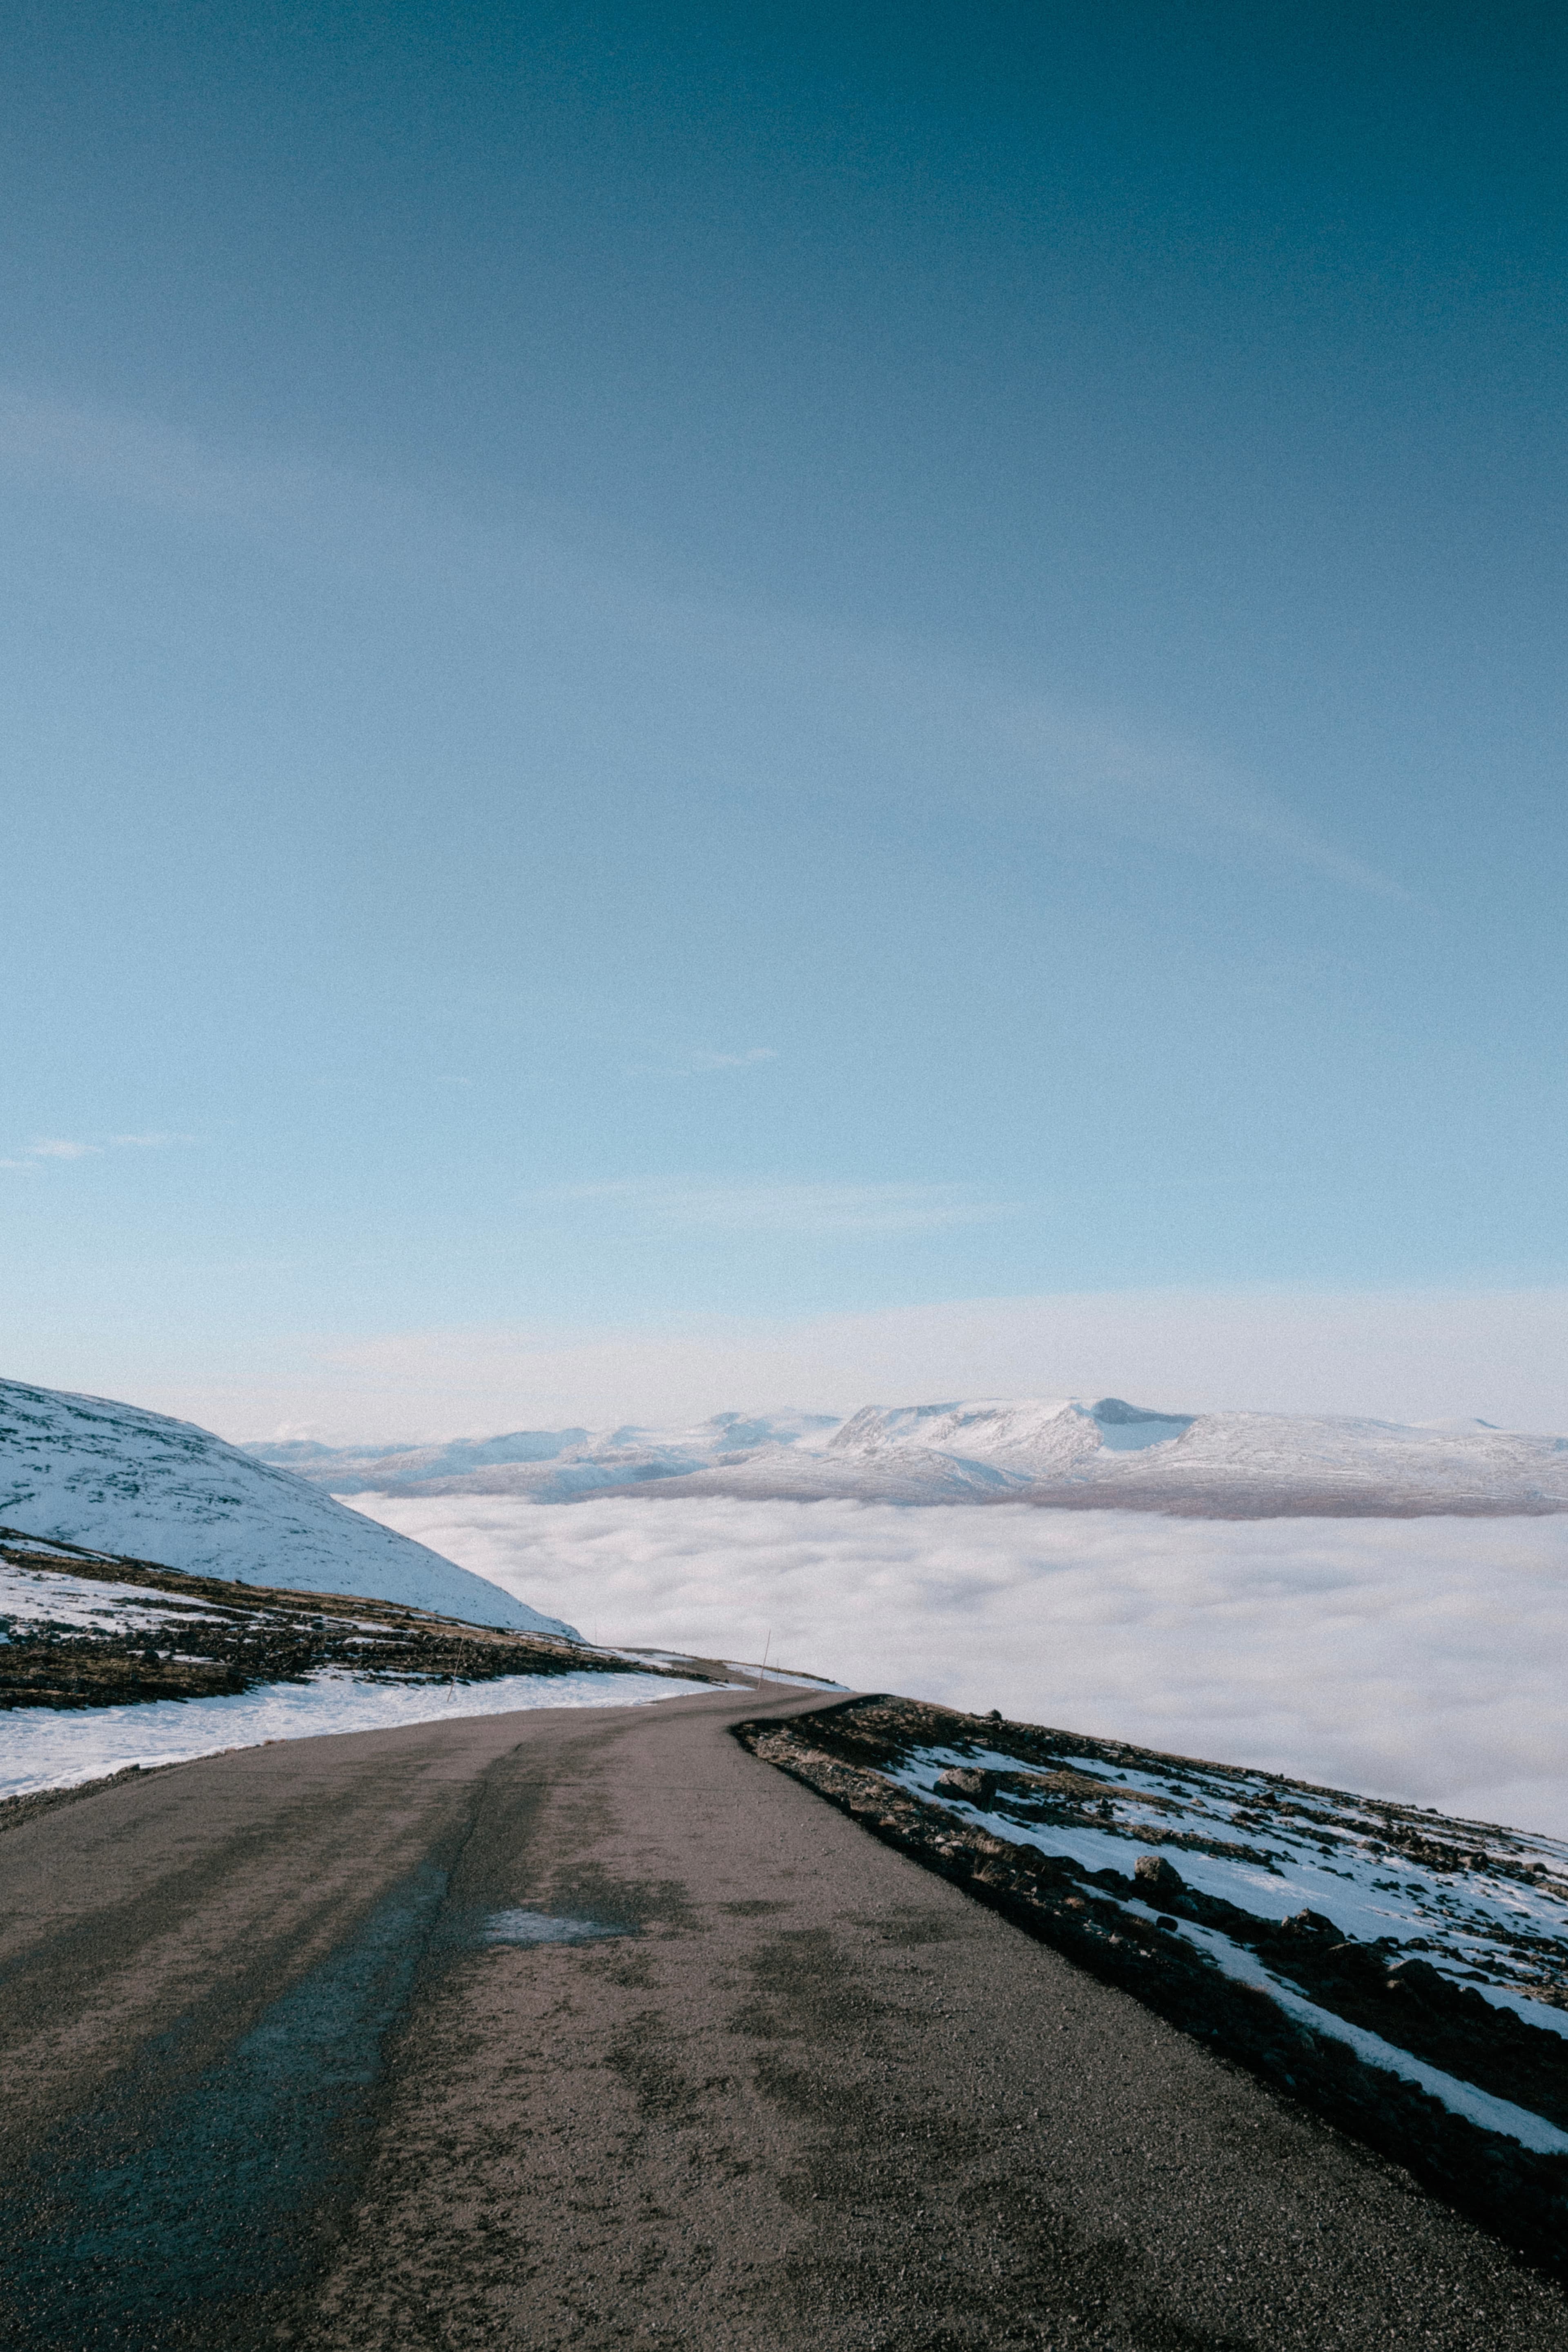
x=1154, y=1875
x=1313, y=1922
x=968, y=1781
x=1369, y=1960
x=1420, y=1978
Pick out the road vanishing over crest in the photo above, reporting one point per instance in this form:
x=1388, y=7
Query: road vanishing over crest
x=268, y=2081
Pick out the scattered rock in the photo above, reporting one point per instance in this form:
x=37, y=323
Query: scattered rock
x=1155, y=1876
x=219, y=1637
x=1311, y=1923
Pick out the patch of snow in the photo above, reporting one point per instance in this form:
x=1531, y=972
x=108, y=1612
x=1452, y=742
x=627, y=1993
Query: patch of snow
x=1476, y=1924
x=45, y=1748
x=1460, y=2098
x=29, y=1598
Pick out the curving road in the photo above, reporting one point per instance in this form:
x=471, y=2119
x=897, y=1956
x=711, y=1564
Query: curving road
x=270, y=2078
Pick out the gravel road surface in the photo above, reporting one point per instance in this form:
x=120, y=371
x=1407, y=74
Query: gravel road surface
x=586, y=2029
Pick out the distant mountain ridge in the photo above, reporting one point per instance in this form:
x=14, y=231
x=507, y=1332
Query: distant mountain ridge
x=1057, y=1451
x=85, y=1470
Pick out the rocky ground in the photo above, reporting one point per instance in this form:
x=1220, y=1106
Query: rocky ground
x=83, y=1629
x=1096, y=1848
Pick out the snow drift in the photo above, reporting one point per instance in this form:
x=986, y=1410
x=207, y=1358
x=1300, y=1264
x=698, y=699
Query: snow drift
x=84, y=1470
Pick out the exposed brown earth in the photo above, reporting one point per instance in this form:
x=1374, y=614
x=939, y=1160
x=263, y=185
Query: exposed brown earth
x=218, y=1636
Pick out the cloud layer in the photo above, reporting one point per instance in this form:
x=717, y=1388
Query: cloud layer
x=1420, y=1659
x=1410, y=1356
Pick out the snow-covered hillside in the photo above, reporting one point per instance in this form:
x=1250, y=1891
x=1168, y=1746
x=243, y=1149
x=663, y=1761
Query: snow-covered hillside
x=1114, y=1454
x=84, y=1470
x=1057, y=1451
x=555, y=1465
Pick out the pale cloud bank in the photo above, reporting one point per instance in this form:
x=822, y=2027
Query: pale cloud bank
x=1403, y=1356
x=1425, y=1659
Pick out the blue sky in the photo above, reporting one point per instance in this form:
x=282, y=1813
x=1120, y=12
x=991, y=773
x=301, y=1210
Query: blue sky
x=670, y=663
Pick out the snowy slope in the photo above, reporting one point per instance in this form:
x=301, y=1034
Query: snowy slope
x=1005, y=1446
x=1298, y=1461
x=551, y=1465
x=1116, y=1454
x=1057, y=1451
x=383, y=1469
x=84, y=1470
x=905, y=1454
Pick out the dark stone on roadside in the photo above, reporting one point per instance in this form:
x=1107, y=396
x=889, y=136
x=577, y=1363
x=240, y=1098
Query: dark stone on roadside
x=968, y=1781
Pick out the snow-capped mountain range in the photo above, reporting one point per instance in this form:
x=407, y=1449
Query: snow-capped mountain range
x=1061, y=1451
x=84, y=1470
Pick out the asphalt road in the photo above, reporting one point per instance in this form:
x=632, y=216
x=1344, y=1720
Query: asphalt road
x=270, y=2078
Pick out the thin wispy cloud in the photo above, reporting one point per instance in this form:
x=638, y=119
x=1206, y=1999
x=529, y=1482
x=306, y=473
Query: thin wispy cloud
x=702, y=1064
x=750, y=1060
x=973, y=739
x=1125, y=781
x=804, y=1209
x=62, y=1148
x=45, y=442
x=867, y=702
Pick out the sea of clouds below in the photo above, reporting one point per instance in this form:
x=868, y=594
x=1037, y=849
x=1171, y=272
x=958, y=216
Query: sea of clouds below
x=1423, y=1659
